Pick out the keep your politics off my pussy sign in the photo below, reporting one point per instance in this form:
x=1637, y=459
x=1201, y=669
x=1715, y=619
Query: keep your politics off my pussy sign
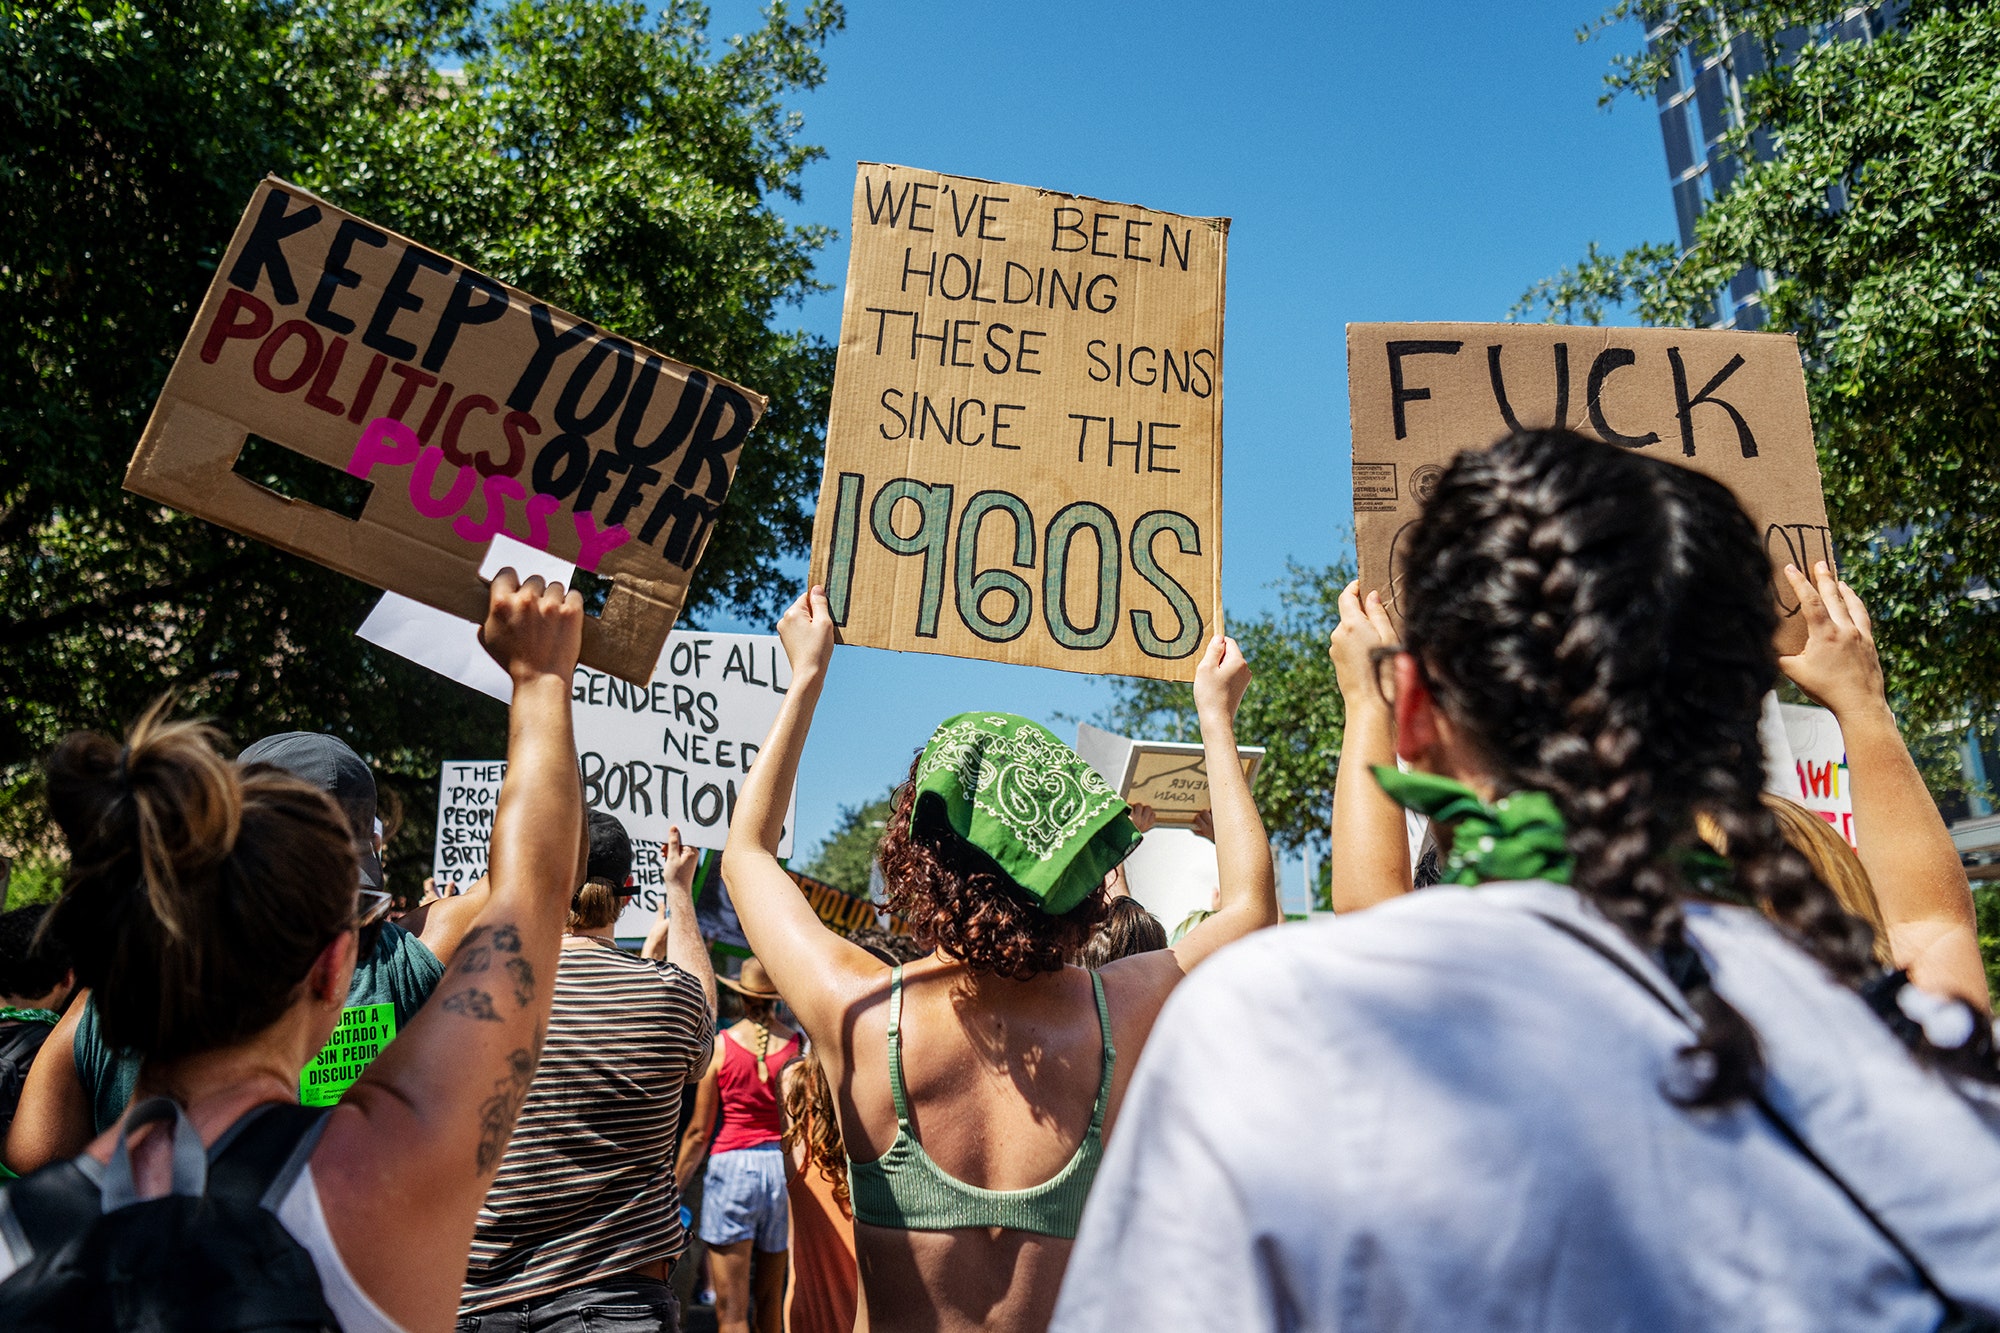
x=472, y=409
x=1024, y=451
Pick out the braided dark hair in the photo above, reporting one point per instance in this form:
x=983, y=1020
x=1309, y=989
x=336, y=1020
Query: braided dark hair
x=1600, y=623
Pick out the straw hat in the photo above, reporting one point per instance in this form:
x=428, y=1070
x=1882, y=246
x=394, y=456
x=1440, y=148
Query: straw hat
x=753, y=981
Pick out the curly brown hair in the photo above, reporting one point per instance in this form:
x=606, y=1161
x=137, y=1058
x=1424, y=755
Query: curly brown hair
x=957, y=900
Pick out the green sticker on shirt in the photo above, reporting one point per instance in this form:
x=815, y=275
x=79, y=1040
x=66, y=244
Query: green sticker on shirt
x=363, y=1031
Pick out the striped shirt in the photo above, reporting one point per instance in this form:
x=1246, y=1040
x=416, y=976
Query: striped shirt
x=586, y=1189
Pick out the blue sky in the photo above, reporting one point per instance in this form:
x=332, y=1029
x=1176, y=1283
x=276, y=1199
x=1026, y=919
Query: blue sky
x=1380, y=162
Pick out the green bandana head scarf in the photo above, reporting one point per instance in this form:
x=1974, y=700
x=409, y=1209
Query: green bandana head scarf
x=1010, y=788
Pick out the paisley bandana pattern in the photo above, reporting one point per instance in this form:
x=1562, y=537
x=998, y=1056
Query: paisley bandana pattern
x=1010, y=788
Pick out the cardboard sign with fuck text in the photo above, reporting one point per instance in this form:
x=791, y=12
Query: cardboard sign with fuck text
x=1024, y=451
x=471, y=408
x=1728, y=404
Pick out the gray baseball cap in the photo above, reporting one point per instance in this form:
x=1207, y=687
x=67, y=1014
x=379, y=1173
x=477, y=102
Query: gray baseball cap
x=330, y=764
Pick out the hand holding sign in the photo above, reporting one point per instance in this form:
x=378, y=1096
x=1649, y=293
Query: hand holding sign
x=1220, y=681
x=533, y=629
x=807, y=631
x=1838, y=666
x=1364, y=626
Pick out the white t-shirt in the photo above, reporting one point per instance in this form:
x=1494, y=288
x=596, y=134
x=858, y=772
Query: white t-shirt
x=1444, y=1113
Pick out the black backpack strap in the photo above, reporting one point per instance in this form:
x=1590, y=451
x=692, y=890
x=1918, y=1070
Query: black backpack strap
x=41, y=1212
x=1957, y=1316
x=257, y=1158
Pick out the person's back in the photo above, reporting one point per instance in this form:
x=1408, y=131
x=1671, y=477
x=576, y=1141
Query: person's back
x=586, y=1189
x=216, y=912
x=584, y=1214
x=1002, y=1080
x=975, y=1089
x=1460, y=1150
x=1583, y=1088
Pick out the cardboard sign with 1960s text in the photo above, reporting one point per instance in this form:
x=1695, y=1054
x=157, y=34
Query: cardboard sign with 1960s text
x=471, y=407
x=1728, y=404
x=1024, y=452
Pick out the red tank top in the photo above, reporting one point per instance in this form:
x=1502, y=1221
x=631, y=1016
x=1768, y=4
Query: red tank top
x=749, y=1107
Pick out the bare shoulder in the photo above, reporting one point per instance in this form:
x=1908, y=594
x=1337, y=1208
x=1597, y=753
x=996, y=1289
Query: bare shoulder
x=1138, y=985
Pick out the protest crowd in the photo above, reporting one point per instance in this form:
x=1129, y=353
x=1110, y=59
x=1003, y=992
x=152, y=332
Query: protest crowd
x=1605, y=1029
x=1629, y=1047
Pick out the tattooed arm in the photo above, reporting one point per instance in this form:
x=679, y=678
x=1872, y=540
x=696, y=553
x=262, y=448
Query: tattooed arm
x=409, y=1153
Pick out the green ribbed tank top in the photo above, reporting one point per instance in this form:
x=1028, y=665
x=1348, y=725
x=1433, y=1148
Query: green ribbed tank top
x=906, y=1190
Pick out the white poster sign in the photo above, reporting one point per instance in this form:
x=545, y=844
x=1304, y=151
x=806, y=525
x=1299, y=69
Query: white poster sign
x=1819, y=754
x=674, y=753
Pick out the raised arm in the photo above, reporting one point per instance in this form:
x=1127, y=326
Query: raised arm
x=818, y=972
x=445, y=922
x=408, y=1154
x=674, y=936
x=1248, y=884
x=1370, y=853
x=1900, y=836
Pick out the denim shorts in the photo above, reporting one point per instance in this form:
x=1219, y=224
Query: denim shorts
x=743, y=1198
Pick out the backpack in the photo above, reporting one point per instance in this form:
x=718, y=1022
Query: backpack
x=210, y=1254
x=19, y=1041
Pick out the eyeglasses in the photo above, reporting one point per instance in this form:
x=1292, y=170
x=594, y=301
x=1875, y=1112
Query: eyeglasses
x=1385, y=656
x=369, y=914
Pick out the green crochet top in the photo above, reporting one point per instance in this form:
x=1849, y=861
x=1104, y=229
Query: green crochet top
x=906, y=1190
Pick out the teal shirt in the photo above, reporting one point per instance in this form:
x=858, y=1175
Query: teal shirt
x=402, y=971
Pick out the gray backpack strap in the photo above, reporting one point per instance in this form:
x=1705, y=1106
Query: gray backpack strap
x=190, y=1175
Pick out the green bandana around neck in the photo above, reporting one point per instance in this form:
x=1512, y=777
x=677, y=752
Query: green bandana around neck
x=1519, y=836
x=1010, y=788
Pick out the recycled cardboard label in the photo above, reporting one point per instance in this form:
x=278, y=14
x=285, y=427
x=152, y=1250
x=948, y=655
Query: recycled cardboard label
x=471, y=407
x=1024, y=450
x=363, y=1030
x=1728, y=404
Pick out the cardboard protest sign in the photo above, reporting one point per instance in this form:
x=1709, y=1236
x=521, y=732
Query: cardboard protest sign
x=1729, y=404
x=1170, y=776
x=473, y=409
x=1024, y=451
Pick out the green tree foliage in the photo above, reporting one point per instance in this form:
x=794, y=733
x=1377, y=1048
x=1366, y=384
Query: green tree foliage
x=1293, y=707
x=1875, y=218
x=844, y=859
x=599, y=156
